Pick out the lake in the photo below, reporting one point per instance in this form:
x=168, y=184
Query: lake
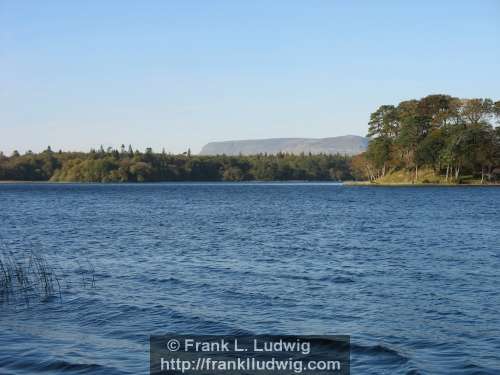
x=411, y=273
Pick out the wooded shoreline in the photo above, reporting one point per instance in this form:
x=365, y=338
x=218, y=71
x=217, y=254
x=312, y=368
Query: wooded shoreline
x=438, y=140
x=135, y=166
x=448, y=139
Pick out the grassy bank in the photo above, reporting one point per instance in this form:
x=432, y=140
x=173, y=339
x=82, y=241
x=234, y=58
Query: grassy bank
x=425, y=177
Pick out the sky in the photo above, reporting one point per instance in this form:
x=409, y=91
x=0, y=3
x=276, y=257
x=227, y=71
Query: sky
x=178, y=74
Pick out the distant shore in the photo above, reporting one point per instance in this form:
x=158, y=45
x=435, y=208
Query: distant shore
x=419, y=184
x=346, y=183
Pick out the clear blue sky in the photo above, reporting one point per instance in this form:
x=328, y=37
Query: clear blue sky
x=178, y=74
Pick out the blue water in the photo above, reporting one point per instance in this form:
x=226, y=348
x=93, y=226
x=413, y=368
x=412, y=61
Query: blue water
x=412, y=274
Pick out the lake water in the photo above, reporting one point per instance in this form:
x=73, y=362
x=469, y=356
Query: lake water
x=412, y=274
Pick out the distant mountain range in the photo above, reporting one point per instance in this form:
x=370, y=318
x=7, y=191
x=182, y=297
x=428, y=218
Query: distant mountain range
x=345, y=145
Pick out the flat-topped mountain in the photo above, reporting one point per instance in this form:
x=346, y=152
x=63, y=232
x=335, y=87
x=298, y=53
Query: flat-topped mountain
x=345, y=145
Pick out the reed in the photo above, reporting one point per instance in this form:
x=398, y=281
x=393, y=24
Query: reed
x=28, y=276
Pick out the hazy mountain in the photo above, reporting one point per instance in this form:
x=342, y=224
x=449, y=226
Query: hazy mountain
x=347, y=144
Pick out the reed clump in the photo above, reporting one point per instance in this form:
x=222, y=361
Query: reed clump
x=27, y=275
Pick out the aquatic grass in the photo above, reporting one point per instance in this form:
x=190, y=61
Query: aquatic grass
x=27, y=276
x=87, y=273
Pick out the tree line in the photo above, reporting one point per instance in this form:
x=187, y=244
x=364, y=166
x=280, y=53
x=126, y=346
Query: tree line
x=128, y=165
x=454, y=138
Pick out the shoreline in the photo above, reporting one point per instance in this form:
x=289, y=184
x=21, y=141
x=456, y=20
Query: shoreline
x=409, y=184
x=344, y=183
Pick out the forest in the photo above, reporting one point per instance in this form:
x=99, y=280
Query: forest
x=438, y=139
x=129, y=165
